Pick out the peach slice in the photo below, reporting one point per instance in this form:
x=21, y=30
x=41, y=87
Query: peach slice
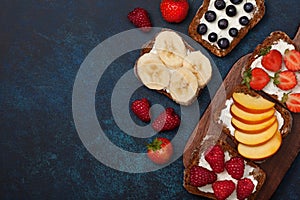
x=253, y=104
x=245, y=116
x=257, y=138
x=252, y=128
x=262, y=151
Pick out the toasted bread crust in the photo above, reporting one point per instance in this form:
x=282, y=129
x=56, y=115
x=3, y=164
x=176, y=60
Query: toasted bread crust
x=192, y=30
x=258, y=174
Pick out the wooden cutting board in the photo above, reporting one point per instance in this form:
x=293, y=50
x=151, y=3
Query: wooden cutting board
x=276, y=166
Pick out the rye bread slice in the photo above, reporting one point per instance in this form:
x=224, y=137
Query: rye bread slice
x=257, y=173
x=258, y=15
x=147, y=47
x=286, y=115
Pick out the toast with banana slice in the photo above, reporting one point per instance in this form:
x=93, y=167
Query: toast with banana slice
x=169, y=65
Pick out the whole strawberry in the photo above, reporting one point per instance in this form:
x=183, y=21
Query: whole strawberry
x=291, y=59
x=166, y=121
x=160, y=150
x=216, y=158
x=174, y=11
x=271, y=60
x=235, y=167
x=244, y=188
x=141, y=108
x=140, y=18
x=223, y=189
x=285, y=80
x=200, y=176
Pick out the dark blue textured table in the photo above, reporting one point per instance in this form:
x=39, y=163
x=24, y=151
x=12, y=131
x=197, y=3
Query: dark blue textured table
x=42, y=46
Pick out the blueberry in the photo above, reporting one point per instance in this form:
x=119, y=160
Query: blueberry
x=244, y=20
x=233, y=32
x=223, y=23
x=236, y=2
x=220, y=4
x=202, y=29
x=223, y=43
x=231, y=10
x=248, y=7
x=212, y=37
x=210, y=16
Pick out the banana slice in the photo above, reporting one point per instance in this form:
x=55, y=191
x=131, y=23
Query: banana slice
x=200, y=66
x=170, y=48
x=152, y=72
x=183, y=86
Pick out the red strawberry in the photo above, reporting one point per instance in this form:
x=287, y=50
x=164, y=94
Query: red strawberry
x=244, y=188
x=235, y=167
x=292, y=101
x=174, y=10
x=140, y=18
x=291, y=59
x=285, y=80
x=160, y=150
x=200, y=176
x=216, y=158
x=223, y=188
x=272, y=60
x=166, y=121
x=256, y=78
x=141, y=108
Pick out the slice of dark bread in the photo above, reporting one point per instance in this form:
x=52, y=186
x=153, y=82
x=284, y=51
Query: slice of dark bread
x=258, y=13
x=257, y=173
x=286, y=115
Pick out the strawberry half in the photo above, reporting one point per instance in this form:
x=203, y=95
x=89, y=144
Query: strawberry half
x=256, y=78
x=285, y=80
x=292, y=101
x=271, y=60
x=235, y=167
x=141, y=108
x=140, y=18
x=244, y=188
x=200, y=176
x=166, y=121
x=223, y=189
x=160, y=150
x=216, y=158
x=291, y=59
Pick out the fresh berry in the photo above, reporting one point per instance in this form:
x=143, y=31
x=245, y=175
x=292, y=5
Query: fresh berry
x=231, y=10
x=244, y=20
x=233, y=32
x=140, y=18
x=200, y=176
x=271, y=60
x=248, y=7
x=292, y=101
x=236, y=1
x=202, y=29
x=210, y=16
x=223, y=188
x=223, y=43
x=256, y=78
x=141, y=108
x=216, y=158
x=244, y=188
x=160, y=150
x=174, y=11
x=235, y=167
x=291, y=59
x=285, y=80
x=220, y=4
x=223, y=23
x=166, y=121
x=212, y=37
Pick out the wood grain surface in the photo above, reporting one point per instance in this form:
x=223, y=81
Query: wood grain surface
x=275, y=166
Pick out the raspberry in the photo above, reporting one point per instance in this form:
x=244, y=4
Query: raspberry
x=200, y=176
x=216, y=158
x=223, y=188
x=166, y=121
x=141, y=108
x=140, y=18
x=244, y=188
x=235, y=167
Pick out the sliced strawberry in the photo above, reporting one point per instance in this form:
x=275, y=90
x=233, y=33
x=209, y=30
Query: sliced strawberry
x=200, y=176
x=291, y=59
x=285, y=80
x=292, y=101
x=256, y=78
x=272, y=60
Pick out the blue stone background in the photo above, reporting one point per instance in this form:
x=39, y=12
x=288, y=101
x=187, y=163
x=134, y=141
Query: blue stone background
x=42, y=45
